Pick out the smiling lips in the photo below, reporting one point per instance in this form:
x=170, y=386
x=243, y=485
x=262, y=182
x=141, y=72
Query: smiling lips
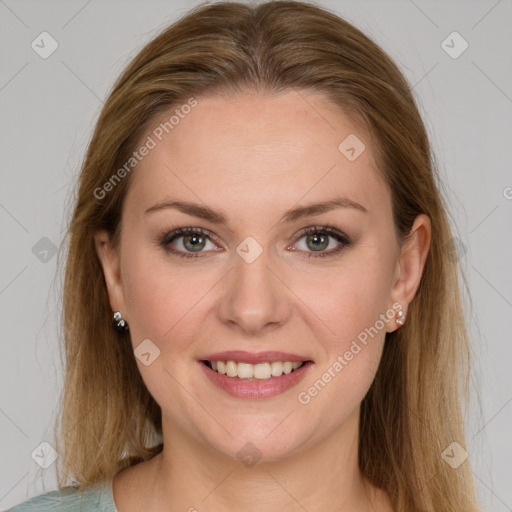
x=255, y=375
x=262, y=371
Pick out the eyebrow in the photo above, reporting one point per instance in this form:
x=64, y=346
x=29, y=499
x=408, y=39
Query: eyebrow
x=218, y=217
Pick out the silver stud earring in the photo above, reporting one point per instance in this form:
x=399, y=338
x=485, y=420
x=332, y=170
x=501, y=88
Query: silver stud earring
x=119, y=323
x=400, y=317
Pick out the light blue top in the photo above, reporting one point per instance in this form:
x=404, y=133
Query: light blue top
x=97, y=498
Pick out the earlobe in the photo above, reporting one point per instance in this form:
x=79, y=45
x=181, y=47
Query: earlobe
x=413, y=255
x=109, y=260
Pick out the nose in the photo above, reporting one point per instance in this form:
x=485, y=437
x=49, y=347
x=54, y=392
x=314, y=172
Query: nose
x=254, y=298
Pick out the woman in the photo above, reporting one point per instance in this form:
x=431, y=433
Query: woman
x=258, y=219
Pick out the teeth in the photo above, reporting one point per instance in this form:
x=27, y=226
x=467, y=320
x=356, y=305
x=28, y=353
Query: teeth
x=245, y=371
x=276, y=368
x=261, y=371
x=231, y=369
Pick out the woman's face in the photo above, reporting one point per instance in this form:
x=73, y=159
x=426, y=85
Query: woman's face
x=252, y=282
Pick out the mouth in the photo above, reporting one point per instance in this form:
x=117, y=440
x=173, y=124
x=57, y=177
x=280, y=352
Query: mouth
x=250, y=372
x=255, y=375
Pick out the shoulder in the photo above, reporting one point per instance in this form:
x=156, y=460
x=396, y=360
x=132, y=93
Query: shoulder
x=70, y=499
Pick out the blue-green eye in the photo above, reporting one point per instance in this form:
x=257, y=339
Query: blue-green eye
x=317, y=238
x=192, y=239
x=195, y=240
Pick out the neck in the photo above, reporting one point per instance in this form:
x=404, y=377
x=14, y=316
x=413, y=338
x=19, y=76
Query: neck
x=189, y=475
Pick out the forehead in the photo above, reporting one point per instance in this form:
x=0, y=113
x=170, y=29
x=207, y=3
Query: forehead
x=253, y=150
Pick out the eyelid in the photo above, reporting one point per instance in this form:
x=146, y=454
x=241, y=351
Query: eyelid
x=169, y=235
x=343, y=240
x=174, y=233
x=325, y=228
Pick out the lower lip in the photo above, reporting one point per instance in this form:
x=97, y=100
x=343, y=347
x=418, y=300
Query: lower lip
x=256, y=389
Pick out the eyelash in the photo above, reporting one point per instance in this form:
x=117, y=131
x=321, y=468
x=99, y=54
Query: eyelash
x=343, y=239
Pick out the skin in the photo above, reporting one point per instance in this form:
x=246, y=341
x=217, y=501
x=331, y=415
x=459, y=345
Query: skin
x=254, y=157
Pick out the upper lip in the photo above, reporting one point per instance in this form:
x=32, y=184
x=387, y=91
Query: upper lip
x=241, y=356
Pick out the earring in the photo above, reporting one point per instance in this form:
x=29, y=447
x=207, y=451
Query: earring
x=400, y=317
x=119, y=323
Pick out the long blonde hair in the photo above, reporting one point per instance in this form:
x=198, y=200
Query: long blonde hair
x=412, y=412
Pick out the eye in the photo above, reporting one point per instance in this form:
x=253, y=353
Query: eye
x=317, y=240
x=193, y=240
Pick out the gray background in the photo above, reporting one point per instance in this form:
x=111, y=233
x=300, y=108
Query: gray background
x=48, y=109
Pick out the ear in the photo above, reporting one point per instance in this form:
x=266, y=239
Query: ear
x=110, y=261
x=413, y=254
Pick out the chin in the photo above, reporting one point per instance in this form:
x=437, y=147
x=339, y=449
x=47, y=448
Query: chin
x=261, y=442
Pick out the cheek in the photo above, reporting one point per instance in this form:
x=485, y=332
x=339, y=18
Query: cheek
x=166, y=305
x=348, y=298
x=161, y=297
x=351, y=308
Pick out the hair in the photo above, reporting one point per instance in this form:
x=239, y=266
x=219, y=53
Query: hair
x=413, y=409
